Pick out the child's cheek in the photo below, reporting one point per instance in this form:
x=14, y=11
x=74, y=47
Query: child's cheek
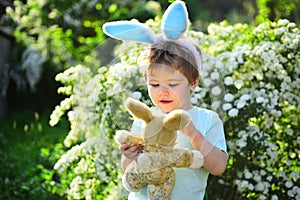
x=152, y=91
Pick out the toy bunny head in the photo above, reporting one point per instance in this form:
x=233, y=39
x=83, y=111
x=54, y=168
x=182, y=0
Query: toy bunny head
x=159, y=128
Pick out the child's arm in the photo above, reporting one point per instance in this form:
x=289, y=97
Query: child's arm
x=215, y=160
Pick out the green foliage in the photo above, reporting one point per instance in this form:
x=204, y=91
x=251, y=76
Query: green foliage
x=26, y=161
x=277, y=9
x=264, y=11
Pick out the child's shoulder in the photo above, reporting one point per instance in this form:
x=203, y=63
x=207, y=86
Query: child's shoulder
x=203, y=111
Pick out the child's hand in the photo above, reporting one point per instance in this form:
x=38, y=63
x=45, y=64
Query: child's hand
x=129, y=151
x=190, y=130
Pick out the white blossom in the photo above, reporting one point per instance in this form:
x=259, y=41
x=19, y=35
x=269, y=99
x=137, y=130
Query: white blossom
x=137, y=95
x=207, y=82
x=260, y=99
x=228, y=97
x=233, y=112
x=215, y=76
x=289, y=132
x=288, y=184
x=259, y=186
x=238, y=84
x=216, y=90
x=227, y=106
x=245, y=97
x=228, y=81
x=248, y=175
x=240, y=104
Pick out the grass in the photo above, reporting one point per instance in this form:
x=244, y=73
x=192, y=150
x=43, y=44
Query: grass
x=26, y=152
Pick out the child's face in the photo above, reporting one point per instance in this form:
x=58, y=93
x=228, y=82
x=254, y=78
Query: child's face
x=169, y=89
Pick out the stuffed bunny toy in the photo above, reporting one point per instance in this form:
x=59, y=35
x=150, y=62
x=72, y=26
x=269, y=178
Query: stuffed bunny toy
x=153, y=168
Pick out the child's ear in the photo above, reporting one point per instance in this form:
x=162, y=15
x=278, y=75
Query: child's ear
x=194, y=84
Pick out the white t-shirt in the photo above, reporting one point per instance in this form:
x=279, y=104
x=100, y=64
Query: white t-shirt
x=190, y=184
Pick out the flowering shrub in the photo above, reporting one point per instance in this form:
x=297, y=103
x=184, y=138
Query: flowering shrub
x=91, y=169
x=260, y=68
x=250, y=77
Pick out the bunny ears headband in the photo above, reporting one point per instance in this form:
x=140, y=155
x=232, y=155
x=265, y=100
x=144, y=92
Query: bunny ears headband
x=174, y=25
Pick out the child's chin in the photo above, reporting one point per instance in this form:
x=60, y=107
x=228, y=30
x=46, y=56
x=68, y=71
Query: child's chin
x=167, y=109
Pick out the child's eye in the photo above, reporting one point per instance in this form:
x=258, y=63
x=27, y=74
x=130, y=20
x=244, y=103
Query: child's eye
x=154, y=84
x=173, y=85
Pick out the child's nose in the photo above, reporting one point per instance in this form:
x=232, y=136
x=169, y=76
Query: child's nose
x=163, y=90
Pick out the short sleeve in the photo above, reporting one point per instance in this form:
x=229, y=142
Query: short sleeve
x=215, y=132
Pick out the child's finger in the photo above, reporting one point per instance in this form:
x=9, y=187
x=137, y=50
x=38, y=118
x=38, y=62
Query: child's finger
x=132, y=152
x=124, y=146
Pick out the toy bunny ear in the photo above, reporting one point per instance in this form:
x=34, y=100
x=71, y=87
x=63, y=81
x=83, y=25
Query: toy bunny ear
x=129, y=30
x=175, y=20
x=176, y=120
x=138, y=109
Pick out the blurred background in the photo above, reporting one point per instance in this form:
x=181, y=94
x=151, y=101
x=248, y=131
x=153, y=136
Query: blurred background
x=66, y=31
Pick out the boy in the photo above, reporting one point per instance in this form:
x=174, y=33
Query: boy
x=171, y=74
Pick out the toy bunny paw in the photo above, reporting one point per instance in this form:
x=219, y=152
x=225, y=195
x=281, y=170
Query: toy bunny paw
x=197, y=161
x=123, y=136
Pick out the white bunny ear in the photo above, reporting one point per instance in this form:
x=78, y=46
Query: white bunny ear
x=175, y=20
x=129, y=30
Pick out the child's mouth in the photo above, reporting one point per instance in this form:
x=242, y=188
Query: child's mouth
x=165, y=101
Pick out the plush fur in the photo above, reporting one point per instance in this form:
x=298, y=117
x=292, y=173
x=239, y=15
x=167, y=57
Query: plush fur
x=154, y=166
